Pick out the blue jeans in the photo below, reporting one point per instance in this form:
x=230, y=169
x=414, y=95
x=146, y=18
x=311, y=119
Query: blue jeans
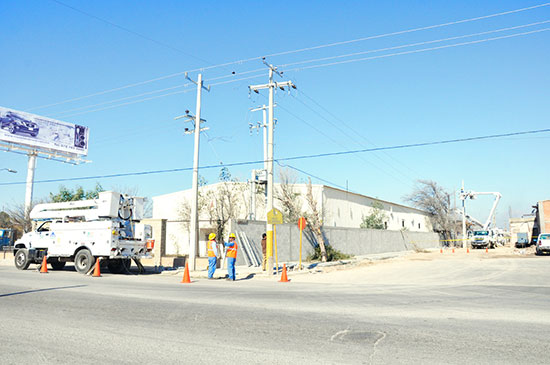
x=211, y=266
x=231, y=267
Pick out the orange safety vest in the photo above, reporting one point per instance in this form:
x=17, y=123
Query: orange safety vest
x=209, y=248
x=232, y=251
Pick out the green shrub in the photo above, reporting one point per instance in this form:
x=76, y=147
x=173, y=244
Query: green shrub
x=332, y=254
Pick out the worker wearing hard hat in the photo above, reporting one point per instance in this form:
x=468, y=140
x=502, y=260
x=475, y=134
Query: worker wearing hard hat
x=231, y=255
x=212, y=248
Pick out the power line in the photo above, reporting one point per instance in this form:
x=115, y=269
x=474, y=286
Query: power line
x=417, y=43
x=129, y=31
x=302, y=157
x=156, y=97
x=353, y=137
x=355, y=132
x=325, y=65
x=288, y=52
x=418, y=50
x=311, y=175
x=409, y=30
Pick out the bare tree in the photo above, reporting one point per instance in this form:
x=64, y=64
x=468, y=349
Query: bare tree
x=289, y=198
x=432, y=198
x=315, y=221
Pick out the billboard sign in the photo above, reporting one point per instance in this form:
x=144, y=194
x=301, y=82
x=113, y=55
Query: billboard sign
x=41, y=132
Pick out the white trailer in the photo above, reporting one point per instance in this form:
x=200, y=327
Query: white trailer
x=107, y=228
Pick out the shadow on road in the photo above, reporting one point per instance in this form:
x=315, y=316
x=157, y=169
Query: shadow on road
x=39, y=290
x=248, y=277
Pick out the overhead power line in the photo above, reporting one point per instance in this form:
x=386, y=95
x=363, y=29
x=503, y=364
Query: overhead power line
x=129, y=30
x=409, y=30
x=418, y=50
x=294, y=158
x=284, y=52
x=416, y=44
x=308, y=67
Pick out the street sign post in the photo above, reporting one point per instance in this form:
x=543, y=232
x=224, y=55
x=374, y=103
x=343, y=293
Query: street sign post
x=301, y=224
x=274, y=217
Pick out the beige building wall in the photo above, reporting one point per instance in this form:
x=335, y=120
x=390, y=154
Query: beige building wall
x=524, y=225
x=339, y=208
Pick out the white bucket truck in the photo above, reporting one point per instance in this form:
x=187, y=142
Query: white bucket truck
x=83, y=231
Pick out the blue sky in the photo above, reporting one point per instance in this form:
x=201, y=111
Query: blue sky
x=52, y=53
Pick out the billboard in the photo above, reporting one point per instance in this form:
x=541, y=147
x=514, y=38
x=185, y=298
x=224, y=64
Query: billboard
x=36, y=131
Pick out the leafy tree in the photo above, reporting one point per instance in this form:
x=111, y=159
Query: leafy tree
x=376, y=219
x=67, y=195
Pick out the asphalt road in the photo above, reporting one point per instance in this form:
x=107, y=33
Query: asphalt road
x=457, y=311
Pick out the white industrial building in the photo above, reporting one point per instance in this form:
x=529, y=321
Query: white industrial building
x=339, y=208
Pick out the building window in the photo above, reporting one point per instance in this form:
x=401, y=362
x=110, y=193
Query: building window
x=403, y=223
x=385, y=225
x=418, y=225
x=338, y=212
x=351, y=214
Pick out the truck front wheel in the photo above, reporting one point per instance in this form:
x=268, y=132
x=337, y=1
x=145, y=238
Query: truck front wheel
x=22, y=259
x=83, y=261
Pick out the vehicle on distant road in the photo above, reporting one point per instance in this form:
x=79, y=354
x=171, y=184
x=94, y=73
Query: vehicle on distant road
x=483, y=239
x=523, y=240
x=543, y=244
x=17, y=124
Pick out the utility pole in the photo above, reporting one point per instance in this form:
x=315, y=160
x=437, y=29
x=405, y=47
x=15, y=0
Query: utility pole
x=463, y=216
x=31, y=167
x=271, y=85
x=196, y=119
x=254, y=181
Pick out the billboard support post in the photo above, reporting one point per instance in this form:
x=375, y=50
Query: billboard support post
x=30, y=182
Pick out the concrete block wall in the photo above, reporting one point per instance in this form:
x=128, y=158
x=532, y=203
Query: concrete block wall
x=355, y=241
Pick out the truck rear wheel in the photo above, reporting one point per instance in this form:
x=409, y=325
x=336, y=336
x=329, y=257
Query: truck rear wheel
x=56, y=263
x=84, y=261
x=119, y=266
x=22, y=259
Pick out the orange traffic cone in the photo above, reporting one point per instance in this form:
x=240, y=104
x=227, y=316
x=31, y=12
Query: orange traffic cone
x=486, y=249
x=453, y=250
x=440, y=250
x=284, y=278
x=467, y=249
x=44, y=268
x=97, y=271
x=186, y=279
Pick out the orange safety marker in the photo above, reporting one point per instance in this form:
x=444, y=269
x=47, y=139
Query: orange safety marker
x=440, y=250
x=186, y=279
x=284, y=278
x=486, y=249
x=97, y=271
x=453, y=250
x=44, y=268
x=467, y=249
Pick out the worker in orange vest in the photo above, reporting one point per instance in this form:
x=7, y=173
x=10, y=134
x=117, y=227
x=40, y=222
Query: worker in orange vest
x=212, y=248
x=231, y=255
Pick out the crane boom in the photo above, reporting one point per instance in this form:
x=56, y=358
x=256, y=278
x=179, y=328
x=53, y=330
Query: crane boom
x=473, y=194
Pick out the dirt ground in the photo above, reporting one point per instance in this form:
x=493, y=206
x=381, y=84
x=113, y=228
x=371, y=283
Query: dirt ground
x=354, y=272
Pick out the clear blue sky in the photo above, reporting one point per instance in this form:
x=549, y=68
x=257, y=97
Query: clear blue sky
x=52, y=53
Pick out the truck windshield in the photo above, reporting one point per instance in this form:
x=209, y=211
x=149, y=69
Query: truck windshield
x=481, y=233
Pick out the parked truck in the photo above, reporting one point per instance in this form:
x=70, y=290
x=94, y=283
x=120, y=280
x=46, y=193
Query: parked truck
x=106, y=228
x=487, y=236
